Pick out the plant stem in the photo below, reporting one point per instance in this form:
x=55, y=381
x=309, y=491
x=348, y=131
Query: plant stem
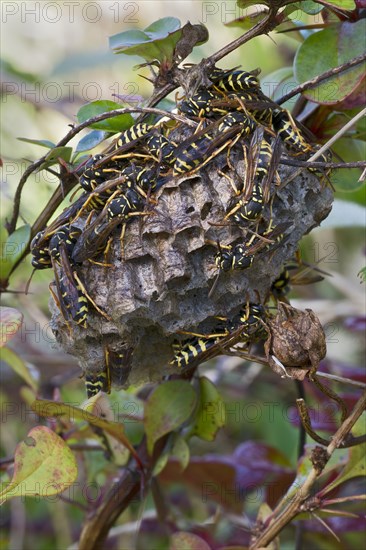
x=294, y=508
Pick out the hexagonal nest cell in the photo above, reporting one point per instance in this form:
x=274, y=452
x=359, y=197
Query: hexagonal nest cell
x=159, y=284
x=162, y=284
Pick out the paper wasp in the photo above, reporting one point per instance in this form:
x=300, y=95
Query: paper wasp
x=250, y=322
x=244, y=123
x=40, y=242
x=196, y=151
x=191, y=349
x=133, y=133
x=244, y=210
x=96, y=382
x=241, y=256
x=253, y=103
x=91, y=178
x=261, y=168
x=234, y=81
x=117, y=367
x=72, y=296
x=120, y=208
x=162, y=148
x=245, y=327
x=233, y=257
x=41, y=258
x=200, y=104
x=294, y=273
x=191, y=153
x=285, y=126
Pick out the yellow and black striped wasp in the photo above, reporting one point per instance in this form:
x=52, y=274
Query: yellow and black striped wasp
x=289, y=132
x=252, y=102
x=242, y=255
x=234, y=80
x=40, y=243
x=120, y=208
x=161, y=147
x=200, y=104
x=200, y=148
x=248, y=203
x=295, y=273
x=117, y=367
x=71, y=295
x=245, y=327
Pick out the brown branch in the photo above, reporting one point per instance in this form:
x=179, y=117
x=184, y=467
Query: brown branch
x=313, y=82
x=331, y=165
x=263, y=27
x=306, y=422
x=295, y=506
x=128, y=486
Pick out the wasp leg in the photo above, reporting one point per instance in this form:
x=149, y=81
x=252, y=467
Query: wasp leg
x=103, y=313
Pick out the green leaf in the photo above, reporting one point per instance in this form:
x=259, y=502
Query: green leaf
x=337, y=44
x=43, y=407
x=355, y=467
x=278, y=83
x=18, y=366
x=114, y=124
x=41, y=142
x=210, y=416
x=54, y=154
x=359, y=428
x=311, y=8
x=349, y=150
x=161, y=462
x=14, y=247
x=161, y=27
x=167, y=408
x=43, y=466
x=248, y=3
x=177, y=448
x=91, y=140
x=180, y=451
x=156, y=42
x=246, y=22
x=10, y=323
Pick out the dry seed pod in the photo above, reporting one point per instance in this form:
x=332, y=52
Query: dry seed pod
x=162, y=285
x=297, y=340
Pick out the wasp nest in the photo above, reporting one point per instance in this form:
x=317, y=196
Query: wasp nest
x=160, y=285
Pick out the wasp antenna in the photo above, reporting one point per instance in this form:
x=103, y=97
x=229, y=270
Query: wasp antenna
x=26, y=290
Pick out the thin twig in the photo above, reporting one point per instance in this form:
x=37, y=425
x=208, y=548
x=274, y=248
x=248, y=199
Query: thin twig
x=341, y=379
x=263, y=27
x=294, y=507
x=313, y=82
x=306, y=422
x=127, y=487
x=331, y=165
x=329, y=143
